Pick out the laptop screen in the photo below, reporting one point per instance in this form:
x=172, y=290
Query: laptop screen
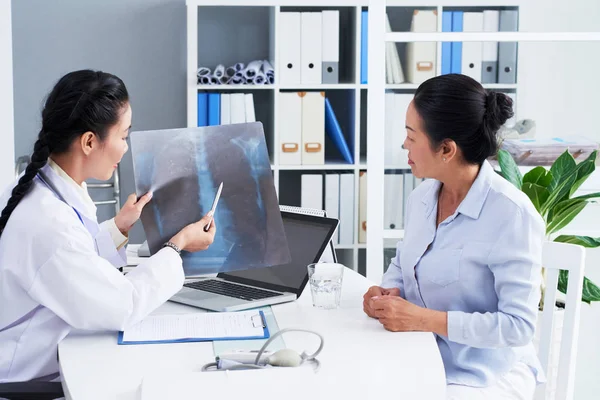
x=307, y=237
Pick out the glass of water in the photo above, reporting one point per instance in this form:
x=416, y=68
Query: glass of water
x=326, y=284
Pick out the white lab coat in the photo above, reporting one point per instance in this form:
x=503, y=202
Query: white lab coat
x=59, y=273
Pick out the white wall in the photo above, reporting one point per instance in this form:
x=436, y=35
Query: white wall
x=559, y=87
x=7, y=137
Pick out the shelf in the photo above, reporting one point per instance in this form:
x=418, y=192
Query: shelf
x=501, y=86
x=234, y=87
x=408, y=86
x=393, y=233
x=327, y=166
x=333, y=86
x=344, y=246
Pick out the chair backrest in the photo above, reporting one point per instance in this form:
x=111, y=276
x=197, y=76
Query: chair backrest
x=555, y=257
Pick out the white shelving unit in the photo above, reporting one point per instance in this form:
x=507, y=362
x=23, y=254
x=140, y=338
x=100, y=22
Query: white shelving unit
x=368, y=101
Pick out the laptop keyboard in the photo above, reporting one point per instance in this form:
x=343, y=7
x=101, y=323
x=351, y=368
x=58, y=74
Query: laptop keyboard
x=231, y=289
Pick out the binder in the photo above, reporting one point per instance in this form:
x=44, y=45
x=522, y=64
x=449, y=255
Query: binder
x=313, y=128
x=214, y=109
x=364, y=46
x=331, y=46
x=202, y=109
x=311, y=48
x=225, y=109
x=196, y=327
x=332, y=200
x=290, y=128
x=489, y=55
x=446, y=46
x=472, y=51
x=408, y=186
x=421, y=56
x=289, y=48
x=249, y=107
x=362, y=207
x=401, y=102
x=457, y=26
x=238, y=108
x=507, y=51
x=311, y=191
x=333, y=129
x=394, y=72
x=393, y=201
x=346, y=209
x=388, y=156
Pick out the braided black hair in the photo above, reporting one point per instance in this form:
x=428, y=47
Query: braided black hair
x=81, y=101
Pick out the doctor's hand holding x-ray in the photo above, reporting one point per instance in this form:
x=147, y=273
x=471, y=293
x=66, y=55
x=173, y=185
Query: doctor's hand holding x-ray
x=58, y=265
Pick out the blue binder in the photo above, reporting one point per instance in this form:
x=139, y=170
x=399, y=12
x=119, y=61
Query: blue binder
x=364, y=72
x=333, y=129
x=202, y=109
x=446, y=46
x=457, y=26
x=214, y=109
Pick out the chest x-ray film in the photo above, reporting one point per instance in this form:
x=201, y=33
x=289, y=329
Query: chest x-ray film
x=184, y=168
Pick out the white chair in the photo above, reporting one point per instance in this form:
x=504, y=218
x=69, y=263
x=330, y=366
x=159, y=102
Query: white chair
x=557, y=256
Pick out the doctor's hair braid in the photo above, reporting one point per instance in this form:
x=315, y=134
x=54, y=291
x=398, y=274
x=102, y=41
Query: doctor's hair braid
x=457, y=107
x=81, y=101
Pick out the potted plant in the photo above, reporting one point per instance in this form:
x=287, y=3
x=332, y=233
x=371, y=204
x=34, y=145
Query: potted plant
x=552, y=193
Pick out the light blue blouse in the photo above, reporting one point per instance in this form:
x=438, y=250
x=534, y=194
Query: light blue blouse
x=483, y=268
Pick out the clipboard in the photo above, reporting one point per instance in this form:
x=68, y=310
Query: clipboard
x=156, y=329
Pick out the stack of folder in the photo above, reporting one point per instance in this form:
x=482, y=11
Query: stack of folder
x=309, y=50
x=488, y=62
x=225, y=108
x=304, y=118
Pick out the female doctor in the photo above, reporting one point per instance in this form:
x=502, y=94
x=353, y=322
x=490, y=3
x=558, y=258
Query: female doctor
x=58, y=266
x=469, y=267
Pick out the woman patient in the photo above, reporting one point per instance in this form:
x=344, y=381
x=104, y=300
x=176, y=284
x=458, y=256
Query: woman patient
x=469, y=267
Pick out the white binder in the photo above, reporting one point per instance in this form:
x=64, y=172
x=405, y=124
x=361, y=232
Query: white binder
x=409, y=185
x=472, y=51
x=238, y=108
x=249, y=106
x=346, y=209
x=332, y=200
x=401, y=102
x=311, y=195
x=362, y=207
x=225, y=109
x=421, y=56
x=311, y=48
x=489, y=58
x=290, y=128
x=313, y=128
x=393, y=201
x=394, y=72
x=389, y=128
x=289, y=48
x=331, y=46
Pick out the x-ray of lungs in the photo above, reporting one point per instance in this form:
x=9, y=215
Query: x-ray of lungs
x=184, y=167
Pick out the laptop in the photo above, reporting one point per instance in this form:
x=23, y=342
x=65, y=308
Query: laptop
x=308, y=237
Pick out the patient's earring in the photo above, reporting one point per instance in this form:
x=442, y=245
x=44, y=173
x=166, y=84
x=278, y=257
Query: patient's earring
x=444, y=158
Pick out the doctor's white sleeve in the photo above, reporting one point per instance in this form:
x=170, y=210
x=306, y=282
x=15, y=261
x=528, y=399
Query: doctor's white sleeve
x=118, y=238
x=87, y=292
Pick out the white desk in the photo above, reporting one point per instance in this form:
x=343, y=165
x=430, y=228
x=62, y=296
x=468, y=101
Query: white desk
x=358, y=352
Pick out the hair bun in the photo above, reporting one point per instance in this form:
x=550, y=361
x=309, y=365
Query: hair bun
x=498, y=110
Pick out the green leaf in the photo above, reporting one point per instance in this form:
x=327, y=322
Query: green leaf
x=558, y=193
x=584, y=170
x=562, y=218
x=510, y=170
x=539, y=176
x=564, y=205
x=536, y=193
x=562, y=167
x=584, y=241
x=591, y=292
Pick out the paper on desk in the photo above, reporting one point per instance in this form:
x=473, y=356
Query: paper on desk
x=200, y=326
